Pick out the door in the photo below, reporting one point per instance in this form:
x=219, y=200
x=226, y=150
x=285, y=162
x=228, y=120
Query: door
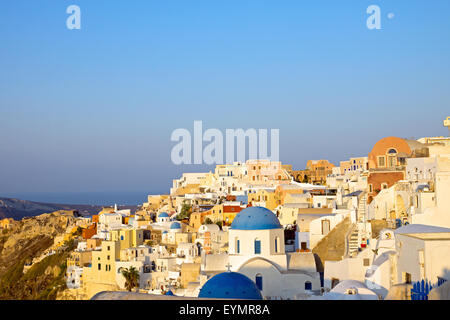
x=325, y=227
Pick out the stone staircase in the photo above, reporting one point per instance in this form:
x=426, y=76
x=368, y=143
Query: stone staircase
x=352, y=242
x=362, y=206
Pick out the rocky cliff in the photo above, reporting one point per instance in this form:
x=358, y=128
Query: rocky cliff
x=28, y=239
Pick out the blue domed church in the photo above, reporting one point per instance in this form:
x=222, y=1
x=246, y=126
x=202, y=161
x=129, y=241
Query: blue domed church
x=230, y=285
x=256, y=249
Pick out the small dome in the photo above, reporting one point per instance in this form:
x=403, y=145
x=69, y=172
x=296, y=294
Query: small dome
x=169, y=293
x=165, y=231
x=255, y=218
x=175, y=225
x=230, y=285
x=163, y=215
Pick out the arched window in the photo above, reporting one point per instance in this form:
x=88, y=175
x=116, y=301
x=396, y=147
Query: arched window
x=259, y=281
x=308, y=285
x=392, y=151
x=257, y=246
x=277, y=243
x=238, y=246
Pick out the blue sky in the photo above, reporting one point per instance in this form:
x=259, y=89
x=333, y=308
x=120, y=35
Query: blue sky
x=93, y=109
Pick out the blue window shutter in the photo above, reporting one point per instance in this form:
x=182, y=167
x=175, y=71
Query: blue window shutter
x=257, y=246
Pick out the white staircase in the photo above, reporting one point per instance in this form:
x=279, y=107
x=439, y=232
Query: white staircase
x=353, y=245
x=362, y=206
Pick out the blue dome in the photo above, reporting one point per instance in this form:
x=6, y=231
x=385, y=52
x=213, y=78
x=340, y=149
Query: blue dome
x=164, y=232
x=175, y=225
x=169, y=293
x=163, y=215
x=230, y=285
x=255, y=218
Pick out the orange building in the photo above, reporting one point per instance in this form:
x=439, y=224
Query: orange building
x=196, y=219
x=89, y=232
x=93, y=243
x=316, y=172
x=387, y=162
x=391, y=153
x=283, y=189
x=266, y=171
x=230, y=212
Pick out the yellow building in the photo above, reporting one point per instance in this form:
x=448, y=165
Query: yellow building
x=189, y=273
x=196, y=220
x=101, y=276
x=284, y=189
x=128, y=238
x=79, y=258
x=263, y=197
x=215, y=213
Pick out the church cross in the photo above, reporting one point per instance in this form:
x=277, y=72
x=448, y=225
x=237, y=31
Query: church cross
x=228, y=267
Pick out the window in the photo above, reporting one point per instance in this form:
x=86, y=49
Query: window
x=238, y=246
x=276, y=244
x=366, y=262
x=382, y=161
x=392, y=161
x=370, y=188
x=99, y=266
x=308, y=285
x=384, y=186
x=259, y=281
x=326, y=227
x=257, y=246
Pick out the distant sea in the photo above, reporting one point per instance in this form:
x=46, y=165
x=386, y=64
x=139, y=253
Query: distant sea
x=92, y=198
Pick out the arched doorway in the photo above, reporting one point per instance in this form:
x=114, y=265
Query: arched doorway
x=259, y=281
x=400, y=207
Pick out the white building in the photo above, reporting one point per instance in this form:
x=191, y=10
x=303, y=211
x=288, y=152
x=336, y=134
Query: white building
x=109, y=221
x=257, y=250
x=423, y=253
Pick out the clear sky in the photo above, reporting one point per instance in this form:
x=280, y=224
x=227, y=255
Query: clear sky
x=93, y=109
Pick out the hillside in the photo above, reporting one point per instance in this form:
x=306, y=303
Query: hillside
x=332, y=246
x=18, y=209
x=28, y=239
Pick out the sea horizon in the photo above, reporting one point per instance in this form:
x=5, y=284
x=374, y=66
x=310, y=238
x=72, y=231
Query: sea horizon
x=106, y=198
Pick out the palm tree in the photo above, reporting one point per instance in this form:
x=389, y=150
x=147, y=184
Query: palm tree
x=131, y=276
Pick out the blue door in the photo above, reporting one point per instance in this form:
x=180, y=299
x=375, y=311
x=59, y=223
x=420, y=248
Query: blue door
x=259, y=282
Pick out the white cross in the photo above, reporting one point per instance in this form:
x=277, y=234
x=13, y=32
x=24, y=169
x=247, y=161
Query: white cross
x=229, y=267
